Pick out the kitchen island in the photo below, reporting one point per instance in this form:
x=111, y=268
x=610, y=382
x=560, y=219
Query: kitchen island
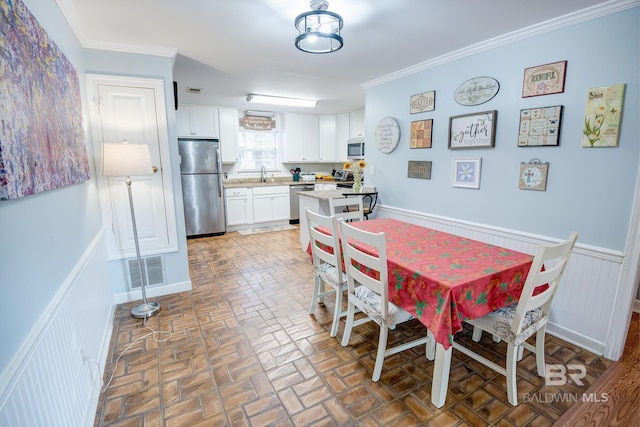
x=318, y=201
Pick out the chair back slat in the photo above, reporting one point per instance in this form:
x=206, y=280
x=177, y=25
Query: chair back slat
x=324, y=247
x=365, y=259
x=549, y=263
x=349, y=208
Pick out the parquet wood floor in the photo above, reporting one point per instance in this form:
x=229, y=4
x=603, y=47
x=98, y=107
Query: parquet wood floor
x=244, y=351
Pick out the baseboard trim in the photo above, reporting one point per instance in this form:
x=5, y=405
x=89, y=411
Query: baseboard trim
x=153, y=291
x=636, y=306
x=576, y=338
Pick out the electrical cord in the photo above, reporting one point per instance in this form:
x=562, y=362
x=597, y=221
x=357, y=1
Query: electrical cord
x=153, y=333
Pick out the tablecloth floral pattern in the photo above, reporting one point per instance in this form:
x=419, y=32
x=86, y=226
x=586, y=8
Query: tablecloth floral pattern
x=443, y=279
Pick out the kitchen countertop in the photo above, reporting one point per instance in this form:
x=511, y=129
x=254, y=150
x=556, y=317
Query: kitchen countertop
x=255, y=182
x=333, y=194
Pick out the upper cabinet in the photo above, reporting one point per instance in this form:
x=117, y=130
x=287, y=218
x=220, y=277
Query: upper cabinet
x=229, y=134
x=342, y=136
x=356, y=124
x=195, y=121
x=327, y=138
x=302, y=138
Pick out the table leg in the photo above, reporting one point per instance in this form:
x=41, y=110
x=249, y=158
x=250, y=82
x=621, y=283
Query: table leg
x=440, y=382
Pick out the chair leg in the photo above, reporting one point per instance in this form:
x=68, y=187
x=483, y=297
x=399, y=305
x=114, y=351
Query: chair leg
x=349, y=324
x=520, y=352
x=382, y=348
x=336, y=312
x=512, y=392
x=316, y=292
x=477, y=334
x=540, y=351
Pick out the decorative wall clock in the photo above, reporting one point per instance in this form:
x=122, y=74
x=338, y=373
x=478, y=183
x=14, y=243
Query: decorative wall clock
x=533, y=175
x=387, y=134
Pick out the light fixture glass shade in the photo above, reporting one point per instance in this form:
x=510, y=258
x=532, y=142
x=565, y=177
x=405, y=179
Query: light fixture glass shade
x=319, y=29
x=126, y=159
x=279, y=100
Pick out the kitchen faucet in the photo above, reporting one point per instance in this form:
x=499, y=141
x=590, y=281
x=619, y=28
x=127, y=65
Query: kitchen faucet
x=263, y=174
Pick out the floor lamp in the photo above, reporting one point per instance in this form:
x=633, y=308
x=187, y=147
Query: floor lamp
x=127, y=160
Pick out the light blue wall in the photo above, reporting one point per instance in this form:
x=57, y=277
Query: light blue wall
x=589, y=190
x=154, y=67
x=44, y=235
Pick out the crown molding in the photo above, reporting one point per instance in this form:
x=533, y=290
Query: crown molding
x=71, y=15
x=574, y=18
x=169, y=52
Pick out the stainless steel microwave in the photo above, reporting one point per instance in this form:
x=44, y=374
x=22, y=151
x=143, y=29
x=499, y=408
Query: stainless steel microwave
x=355, y=148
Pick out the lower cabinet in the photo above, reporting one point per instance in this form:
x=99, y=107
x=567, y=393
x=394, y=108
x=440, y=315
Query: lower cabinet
x=239, y=202
x=322, y=187
x=270, y=203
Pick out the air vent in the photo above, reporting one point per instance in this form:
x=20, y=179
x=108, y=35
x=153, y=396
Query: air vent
x=152, y=268
x=195, y=90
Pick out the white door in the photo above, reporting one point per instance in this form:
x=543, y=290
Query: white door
x=134, y=109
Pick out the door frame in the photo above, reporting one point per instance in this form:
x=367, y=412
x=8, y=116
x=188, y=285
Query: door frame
x=93, y=81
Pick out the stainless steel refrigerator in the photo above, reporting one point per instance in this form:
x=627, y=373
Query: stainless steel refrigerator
x=201, y=173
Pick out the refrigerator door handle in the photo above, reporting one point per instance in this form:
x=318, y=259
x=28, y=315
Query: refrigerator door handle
x=219, y=172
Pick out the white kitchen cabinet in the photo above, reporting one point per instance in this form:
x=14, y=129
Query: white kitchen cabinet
x=302, y=136
x=323, y=187
x=239, y=204
x=195, y=121
x=342, y=136
x=270, y=203
x=356, y=124
x=228, y=118
x=327, y=138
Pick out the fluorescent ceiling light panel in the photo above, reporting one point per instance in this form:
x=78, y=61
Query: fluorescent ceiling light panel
x=279, y=100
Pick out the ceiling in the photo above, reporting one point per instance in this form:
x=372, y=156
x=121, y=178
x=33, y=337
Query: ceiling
x=230, y=48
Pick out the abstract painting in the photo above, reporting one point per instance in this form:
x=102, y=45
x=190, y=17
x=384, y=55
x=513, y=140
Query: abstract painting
x=42, y=141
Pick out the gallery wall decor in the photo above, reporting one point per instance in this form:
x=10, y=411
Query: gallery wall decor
x=602, y=117
x=544, y=79
x=466, y=172
x=422, y=102
x=42, y=141
x=476, y=91
x=540, y=126
x=421, y=132
x=475, y=130
x=533, y=175
x=419, y=169
x=387, y=135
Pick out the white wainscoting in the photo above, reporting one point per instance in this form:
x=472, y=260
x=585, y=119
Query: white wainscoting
x=55, y=378
x=584, y=304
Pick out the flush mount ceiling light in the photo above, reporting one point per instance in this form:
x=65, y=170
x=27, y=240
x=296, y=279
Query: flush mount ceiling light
x=279, y=100
x=319, y=29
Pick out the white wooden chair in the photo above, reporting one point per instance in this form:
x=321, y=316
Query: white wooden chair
x=371, y=295
x=347, y=208
x=517, y=322
x=327, y=265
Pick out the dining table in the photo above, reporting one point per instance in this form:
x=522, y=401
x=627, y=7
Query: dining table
x=443, y=279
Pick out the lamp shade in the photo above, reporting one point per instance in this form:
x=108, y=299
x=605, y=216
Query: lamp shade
x=126, y=160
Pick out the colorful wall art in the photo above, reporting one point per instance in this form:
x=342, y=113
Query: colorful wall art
x=42, y=141
x=602, y=117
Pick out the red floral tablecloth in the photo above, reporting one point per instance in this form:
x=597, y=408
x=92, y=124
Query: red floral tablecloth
x=443, y=279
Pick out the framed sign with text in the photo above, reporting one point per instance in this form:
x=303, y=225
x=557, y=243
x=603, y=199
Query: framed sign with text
x=544, y=79
x=475, y=130
x=423, y=102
